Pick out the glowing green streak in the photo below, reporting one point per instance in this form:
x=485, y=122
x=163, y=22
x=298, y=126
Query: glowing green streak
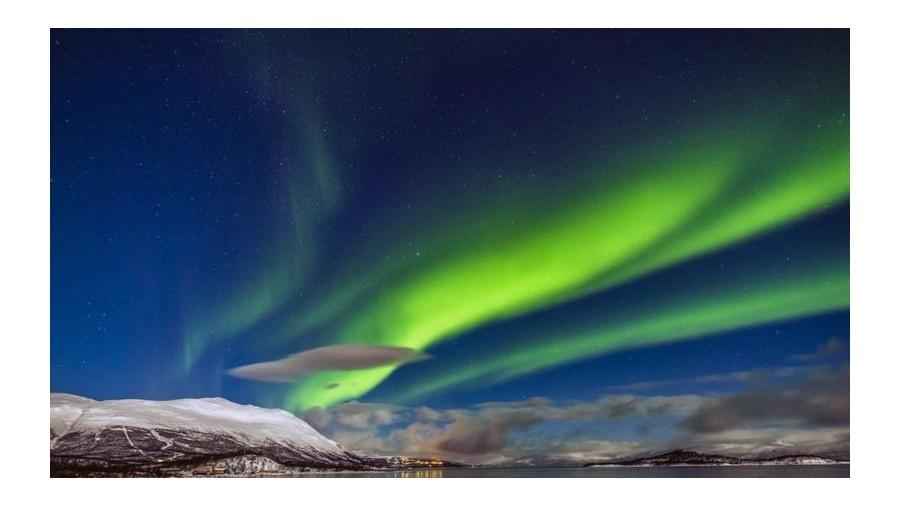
x=706, y=311
x=257, y=300
x=780, y=191
x=671, y=207
x=353, y=285
x=283, y=272
x=531, y=268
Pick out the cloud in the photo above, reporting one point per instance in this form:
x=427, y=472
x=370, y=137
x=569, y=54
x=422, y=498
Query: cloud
x=358, y=415
x=743, y=376
x=488, y=429
x=340, y=357
x=426, y=414
x=485, y=432
x=828, y=349
x=821, y=400
x=318, y=418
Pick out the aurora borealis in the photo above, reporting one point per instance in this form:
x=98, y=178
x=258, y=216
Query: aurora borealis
x=483, y=283
x=535, y=210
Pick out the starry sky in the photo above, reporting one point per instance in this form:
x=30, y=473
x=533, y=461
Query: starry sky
x=602, y=241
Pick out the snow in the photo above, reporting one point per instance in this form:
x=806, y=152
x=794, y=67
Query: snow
x=249, y=424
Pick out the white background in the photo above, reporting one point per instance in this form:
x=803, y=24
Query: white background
x=25, y=248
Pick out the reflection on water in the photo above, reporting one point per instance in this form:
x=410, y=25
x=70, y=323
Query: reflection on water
x=421, y=473
x=831, y=471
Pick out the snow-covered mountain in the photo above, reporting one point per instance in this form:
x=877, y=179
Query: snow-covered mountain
x=185, y=436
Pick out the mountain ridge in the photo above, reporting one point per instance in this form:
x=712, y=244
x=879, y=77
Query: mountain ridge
x=185, y=437
x=691, y=458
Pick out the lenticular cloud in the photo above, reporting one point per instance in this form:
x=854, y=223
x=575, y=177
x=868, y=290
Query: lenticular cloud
x=338, y=357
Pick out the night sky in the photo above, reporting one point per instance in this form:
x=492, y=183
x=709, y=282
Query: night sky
x=605, y=241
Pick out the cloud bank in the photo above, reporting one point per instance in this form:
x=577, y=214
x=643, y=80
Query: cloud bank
x=777, y=414
x=821, y=400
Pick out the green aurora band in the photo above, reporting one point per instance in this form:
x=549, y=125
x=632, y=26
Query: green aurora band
x=818, y=287
x=652, y=207
x=312, y=198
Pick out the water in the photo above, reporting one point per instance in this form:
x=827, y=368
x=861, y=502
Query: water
x=830, y=471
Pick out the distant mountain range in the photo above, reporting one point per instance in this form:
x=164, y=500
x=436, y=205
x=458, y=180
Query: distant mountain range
x=190, y=437
x=689, y=458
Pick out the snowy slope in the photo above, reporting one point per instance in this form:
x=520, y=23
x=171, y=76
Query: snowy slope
x=183, y=433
